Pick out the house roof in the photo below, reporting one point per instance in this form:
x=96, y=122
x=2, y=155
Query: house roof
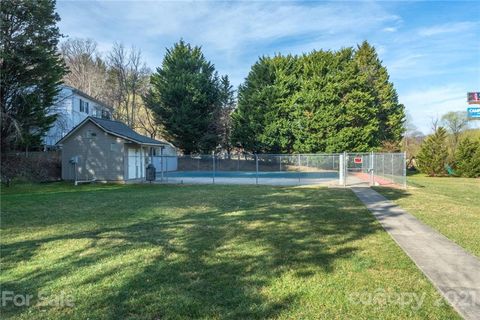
x=118, y=129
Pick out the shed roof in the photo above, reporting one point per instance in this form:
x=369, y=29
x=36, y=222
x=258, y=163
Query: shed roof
x=118, y=129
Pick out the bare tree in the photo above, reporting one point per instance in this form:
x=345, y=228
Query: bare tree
x=146, y=123
x=412, y=140
x=120, y=80
x=435, y=123
x=129, y=80
x=455, y=123
x=87, y=70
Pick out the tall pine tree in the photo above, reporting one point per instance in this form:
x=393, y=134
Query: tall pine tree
x=390, y=113
x=31, y=71
x=185, y=98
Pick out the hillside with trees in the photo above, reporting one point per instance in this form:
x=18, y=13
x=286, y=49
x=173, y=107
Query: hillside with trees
x=118, y=78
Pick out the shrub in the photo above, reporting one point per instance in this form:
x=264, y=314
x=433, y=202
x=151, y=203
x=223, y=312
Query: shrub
x=433, y=154
x=468, y=158
x=32, y=169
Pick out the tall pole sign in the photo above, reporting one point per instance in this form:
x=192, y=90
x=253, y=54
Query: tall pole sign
x=473, y=112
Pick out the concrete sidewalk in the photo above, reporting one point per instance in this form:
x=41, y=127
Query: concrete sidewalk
x=454, y=272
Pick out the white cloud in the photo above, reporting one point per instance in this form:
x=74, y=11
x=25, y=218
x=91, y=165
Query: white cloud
x=233, y=35
x=455, y=27
x=426, y=103
x=390, y=29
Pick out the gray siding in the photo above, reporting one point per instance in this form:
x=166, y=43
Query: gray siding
x=101, y=156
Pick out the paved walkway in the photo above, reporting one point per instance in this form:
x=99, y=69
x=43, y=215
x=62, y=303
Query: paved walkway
x=454, y=272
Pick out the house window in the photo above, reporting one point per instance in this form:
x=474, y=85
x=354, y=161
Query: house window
x=105, y=114
x=83, y=106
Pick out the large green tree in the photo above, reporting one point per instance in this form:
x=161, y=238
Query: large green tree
x=31, y=70
x=185, y=98
x=319, y=102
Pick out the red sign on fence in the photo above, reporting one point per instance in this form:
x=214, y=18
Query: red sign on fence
x=357, y=160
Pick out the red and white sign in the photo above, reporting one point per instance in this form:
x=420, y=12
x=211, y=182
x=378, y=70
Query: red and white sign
x=357, y=160
x=473, y=97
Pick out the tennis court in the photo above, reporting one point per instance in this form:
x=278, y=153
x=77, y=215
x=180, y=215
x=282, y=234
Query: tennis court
x=250, y=177
x=334, y=169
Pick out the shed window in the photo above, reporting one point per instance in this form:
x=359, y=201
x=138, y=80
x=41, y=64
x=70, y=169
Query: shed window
x=91, y=134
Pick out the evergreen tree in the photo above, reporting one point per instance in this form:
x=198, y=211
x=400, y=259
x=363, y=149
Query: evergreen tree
x=31, y=71
x=468, y=158
x=227, y=105
x=185, y=98
x=433, y=154
x=390, y=113
x=254, y=97
x=319, y=102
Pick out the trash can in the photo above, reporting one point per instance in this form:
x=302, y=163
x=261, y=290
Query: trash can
x=150, y=174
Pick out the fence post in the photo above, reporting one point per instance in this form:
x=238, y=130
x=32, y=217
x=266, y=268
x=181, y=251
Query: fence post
x=372, y=174
x=256, y=169
x=345, y=173
x=213, y=159
x=405, y=169
x=383, y=165
x=166, y=166
x=162, y=163
x=341, y=167
x=299, y=168
x=391, y=162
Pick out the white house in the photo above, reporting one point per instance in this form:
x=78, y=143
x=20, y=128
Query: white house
x=72, y=107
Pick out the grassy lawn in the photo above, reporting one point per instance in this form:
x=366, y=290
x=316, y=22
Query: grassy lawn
x=155, y=252
x=449, y=205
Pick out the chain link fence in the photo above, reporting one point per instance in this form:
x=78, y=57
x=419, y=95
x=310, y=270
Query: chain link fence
x=374, y=169
x=347, y=169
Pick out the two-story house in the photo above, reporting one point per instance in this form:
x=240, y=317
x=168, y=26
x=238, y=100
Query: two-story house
x=72, y=107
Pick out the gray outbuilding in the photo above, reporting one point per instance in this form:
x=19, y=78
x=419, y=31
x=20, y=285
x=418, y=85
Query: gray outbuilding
x=106, y=150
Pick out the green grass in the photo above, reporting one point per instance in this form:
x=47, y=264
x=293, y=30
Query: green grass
x=205, y=252
x=449, y=205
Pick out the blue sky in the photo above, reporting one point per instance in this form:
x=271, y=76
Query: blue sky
x=431, y=49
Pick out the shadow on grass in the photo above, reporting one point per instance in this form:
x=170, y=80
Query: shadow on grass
x=392, y=193
x=212, y=263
